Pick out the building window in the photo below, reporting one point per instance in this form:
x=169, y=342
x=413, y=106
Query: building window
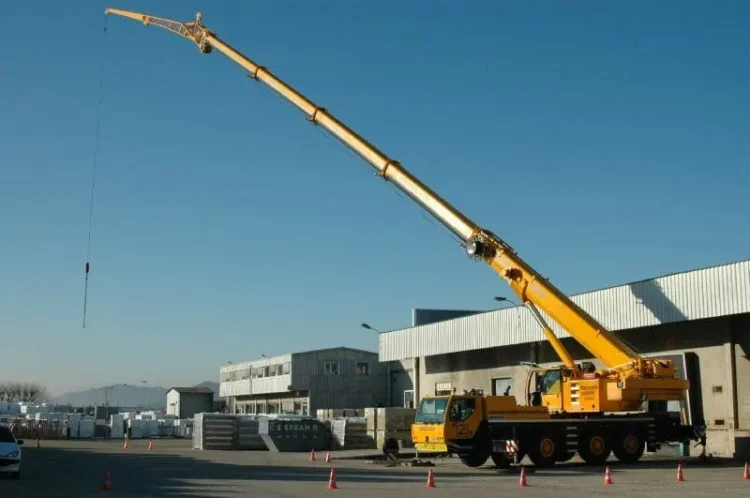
x=502, y=386
x=285, y=368
x=331, y=368
x=363, y=369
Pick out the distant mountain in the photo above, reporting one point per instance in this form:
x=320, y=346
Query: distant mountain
x=125, y=395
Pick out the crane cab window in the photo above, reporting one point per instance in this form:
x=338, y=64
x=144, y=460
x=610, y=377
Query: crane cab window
x=550, y=382
x=461, y=409
x=431, y=411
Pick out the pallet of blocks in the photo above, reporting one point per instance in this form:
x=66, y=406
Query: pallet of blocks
x=390, y=427
x=214, y=431
x=350, y=433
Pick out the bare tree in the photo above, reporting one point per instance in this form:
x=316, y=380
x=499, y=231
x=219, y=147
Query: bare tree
x=25, y=392
x=31, y=392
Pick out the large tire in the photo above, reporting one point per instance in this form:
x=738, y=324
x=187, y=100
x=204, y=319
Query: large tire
x=594, y=447
x=501, y=460
x=628, y=446
x=474, y=459
x=544, y=451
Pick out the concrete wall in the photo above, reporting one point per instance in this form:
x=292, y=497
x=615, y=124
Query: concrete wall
x=402, y=380
x=720, y=361
x=173, y=403
x=740, y=330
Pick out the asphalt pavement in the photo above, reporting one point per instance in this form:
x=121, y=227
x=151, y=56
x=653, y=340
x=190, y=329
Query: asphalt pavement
x=173, y=469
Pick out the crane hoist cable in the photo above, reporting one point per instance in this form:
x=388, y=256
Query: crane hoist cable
x=87, y=267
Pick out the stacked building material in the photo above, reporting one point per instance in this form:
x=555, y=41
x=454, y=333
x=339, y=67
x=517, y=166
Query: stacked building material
x=214, y=431
x=117, y=426
x=334, y=413
x=390, y=427
x=182, y=427
x=86, y=428
x=248, y=436
x=350, y=434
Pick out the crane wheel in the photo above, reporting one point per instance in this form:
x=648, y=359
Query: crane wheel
x=593, y=447
x=629, y=446
x=544, y=451
x=474, y=459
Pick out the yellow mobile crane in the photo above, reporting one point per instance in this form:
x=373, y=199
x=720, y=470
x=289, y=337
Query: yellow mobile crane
x=575, y=407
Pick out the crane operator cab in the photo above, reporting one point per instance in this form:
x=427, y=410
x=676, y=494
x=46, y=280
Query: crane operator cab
x=549, y=384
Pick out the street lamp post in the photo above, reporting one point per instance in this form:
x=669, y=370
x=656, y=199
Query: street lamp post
x=504, y=299
x=388, y=369
x=534, y=313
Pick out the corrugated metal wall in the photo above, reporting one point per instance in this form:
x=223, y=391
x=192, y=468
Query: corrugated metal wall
x=345, y=390
x=423, y=316
x=705, y=293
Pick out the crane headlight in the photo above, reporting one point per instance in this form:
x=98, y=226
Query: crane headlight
x=476, y=248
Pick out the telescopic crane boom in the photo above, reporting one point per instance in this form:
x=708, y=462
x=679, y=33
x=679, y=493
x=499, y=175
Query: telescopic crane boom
x=534, y=290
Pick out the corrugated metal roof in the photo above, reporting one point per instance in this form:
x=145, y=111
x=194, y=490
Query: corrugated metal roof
x=692, y=295
x=191, y=390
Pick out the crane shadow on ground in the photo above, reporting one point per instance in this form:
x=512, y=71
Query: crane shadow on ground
x=76, y=472
x=580, y=468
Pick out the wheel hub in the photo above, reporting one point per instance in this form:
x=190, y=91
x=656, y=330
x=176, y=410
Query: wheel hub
x=546, y=447
x=630, y=443
x=596, y=445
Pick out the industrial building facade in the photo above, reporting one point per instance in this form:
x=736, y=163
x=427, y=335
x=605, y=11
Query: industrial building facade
x=700, y=319
x=302, y=382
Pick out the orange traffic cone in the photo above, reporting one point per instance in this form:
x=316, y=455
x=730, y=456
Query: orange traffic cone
x=747, y=472
x=607, y=476
x=522, y=481
x=328, y=457
x=107, y=485
x=680, y=477
x=332, y=480
x=312, y=455
x=150, y=444
x=430, y=479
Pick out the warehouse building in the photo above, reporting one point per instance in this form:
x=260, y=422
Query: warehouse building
x=699, y=318
x=303, y=382
x=185, y=402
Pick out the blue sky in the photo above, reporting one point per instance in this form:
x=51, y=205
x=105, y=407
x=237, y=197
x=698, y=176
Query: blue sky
x=606, y=143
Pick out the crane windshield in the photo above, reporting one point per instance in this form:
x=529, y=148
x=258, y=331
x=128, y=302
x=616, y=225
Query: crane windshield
x=431, y=411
